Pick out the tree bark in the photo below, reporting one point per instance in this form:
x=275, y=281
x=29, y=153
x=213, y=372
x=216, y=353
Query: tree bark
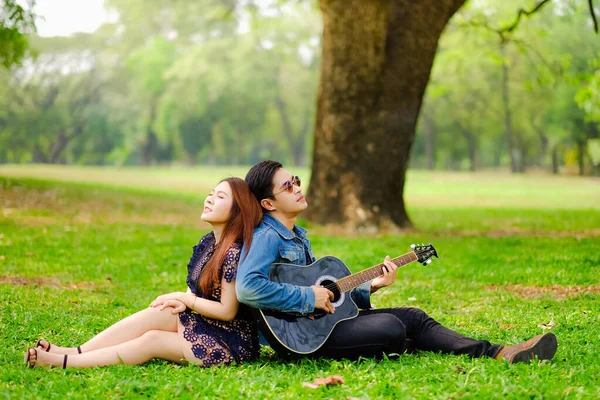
x=377, y=58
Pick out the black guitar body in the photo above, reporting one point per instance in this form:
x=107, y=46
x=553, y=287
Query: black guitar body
x=296, y=334
x=289, y=333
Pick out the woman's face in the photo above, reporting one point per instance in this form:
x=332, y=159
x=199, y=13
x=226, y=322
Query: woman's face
x=217, y=205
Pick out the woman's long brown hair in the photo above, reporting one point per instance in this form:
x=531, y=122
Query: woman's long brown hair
x=244, y=216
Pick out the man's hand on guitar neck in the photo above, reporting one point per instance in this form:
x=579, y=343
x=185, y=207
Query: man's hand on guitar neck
x=323, y=299
x=390, y=271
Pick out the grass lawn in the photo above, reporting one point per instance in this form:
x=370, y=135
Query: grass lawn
x=81, y=248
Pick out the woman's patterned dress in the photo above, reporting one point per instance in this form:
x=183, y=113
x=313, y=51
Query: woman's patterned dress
x=217, y=342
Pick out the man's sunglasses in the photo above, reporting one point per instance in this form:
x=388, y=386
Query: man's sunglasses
x=289, y=185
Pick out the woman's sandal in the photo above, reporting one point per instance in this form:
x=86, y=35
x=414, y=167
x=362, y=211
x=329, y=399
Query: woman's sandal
x=47, y=350
x=31, y=363
x=28, y=361
x=39, y=344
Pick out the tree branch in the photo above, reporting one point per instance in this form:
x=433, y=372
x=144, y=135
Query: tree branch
x=591, y=4
x=524, y=12
x=501, y=32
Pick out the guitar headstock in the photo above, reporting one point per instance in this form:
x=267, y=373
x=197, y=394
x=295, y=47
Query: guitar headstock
x=424, y=253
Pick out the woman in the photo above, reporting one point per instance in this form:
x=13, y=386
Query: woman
x=206, y=324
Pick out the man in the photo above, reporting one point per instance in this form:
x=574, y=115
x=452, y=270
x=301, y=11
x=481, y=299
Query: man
x=374, y=331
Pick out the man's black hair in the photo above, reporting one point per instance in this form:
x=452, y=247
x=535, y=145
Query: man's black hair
x=260, y=178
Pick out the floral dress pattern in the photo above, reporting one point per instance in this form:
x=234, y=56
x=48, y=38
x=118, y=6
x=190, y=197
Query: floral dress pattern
x=217, y=342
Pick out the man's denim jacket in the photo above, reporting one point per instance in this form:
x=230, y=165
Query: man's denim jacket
x=274, y=243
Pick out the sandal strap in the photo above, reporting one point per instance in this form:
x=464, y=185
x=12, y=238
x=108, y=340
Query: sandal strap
x=39, y=344
x=29, y=362
x=65, y=362
x=79, y=349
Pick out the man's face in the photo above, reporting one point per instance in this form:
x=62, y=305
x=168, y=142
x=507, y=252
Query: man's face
x=287, y=193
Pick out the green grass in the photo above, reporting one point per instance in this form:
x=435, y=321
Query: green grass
x=94, y=252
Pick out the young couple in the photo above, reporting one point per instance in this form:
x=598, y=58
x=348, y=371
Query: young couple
x=207, y=324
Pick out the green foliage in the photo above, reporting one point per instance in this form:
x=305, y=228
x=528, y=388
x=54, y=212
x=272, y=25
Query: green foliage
x=89, y=254
x=550, y=84
x=228, y=82
x=15, y=23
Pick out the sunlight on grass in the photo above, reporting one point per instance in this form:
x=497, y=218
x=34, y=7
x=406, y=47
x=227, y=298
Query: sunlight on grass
x=423, y=188
x=76, y=257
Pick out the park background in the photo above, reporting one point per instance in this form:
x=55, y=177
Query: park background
x=110, y=139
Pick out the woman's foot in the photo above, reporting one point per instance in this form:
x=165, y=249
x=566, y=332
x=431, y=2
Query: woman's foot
x=38, y=358
x=46, y=346
x=30, y=358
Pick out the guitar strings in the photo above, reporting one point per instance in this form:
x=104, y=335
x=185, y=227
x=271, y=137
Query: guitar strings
x=400, y=259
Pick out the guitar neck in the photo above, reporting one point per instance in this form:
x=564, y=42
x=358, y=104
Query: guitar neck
x=355, y=280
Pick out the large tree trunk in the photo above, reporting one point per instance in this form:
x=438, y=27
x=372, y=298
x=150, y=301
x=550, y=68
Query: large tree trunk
x=377, y=58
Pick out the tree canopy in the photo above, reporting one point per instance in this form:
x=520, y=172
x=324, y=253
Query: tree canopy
x=226, y=82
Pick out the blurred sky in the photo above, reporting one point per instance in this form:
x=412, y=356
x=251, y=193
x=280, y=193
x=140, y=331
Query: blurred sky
x=64, y=17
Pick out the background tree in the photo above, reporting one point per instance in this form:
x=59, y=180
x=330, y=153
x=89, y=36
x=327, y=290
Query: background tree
x=376, y=62
x=16, y=22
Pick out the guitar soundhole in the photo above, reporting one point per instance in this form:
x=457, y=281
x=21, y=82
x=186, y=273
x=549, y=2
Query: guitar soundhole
x=333, y=287
x=329, y=282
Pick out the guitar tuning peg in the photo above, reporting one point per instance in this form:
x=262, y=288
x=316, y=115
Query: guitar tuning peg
x=412, y=246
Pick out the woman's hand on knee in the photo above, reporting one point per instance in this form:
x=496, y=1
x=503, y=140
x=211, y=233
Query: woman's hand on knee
x=176, y=305
x=169, y=296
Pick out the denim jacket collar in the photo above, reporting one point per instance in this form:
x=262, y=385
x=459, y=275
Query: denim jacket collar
x=284, y=232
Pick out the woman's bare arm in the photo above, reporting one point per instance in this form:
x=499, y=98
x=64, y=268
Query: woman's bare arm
x=225, y=310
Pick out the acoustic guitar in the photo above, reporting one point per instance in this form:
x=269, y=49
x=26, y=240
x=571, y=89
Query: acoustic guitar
x=295, y=333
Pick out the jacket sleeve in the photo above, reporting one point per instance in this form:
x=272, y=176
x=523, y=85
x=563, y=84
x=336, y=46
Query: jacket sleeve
x=253, y=286
x=362, y=296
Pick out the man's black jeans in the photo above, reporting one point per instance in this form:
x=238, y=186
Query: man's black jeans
x=384, y=331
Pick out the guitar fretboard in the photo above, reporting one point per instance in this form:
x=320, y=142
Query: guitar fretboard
x=354, y=280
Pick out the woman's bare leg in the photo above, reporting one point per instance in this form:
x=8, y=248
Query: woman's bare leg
x=186, y=346
x=151, y=344
x=125, y=330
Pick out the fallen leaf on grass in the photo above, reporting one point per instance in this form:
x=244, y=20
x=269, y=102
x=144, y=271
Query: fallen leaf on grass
x=549, y=325
x=330, y=380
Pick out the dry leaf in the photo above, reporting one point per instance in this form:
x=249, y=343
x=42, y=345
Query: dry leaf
x=330, y=380
x=549, y=325
x=460, y=369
